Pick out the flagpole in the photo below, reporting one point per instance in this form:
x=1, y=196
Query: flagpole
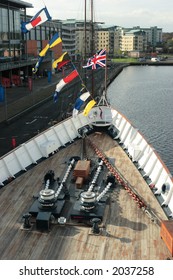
x=6, y=110
x=85, y=34
x=73, y=65
x=85, y=47
x=92, y=45
x=103, y=99
x=106, y=75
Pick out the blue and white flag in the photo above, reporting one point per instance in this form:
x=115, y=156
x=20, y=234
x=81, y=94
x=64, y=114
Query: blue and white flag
x=79, y=101
x=41, y=17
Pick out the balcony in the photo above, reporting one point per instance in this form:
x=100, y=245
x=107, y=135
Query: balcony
x=19, y=63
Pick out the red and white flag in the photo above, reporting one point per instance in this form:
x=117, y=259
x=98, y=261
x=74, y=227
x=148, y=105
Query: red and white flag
x=41, y=17
x=66, y=80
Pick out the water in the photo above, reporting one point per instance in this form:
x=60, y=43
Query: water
x=144, y=94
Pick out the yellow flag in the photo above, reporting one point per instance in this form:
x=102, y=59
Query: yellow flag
x=52, y=43
x=56, y=42
x=88, y=107
x=44, y=51
x=63, y=57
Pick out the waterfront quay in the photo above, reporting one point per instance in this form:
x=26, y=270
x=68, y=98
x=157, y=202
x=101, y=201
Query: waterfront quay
x=21, y=100
x=166, y=62
x=25, y=112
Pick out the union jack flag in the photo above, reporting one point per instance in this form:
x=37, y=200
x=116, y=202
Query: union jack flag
x=97, y=61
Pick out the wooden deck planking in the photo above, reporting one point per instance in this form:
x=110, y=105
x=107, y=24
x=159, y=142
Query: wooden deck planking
x=128, y=232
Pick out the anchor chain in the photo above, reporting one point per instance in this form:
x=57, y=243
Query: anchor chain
x=121, y=180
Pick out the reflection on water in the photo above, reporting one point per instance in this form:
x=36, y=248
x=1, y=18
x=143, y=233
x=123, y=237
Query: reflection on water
x=144, y=94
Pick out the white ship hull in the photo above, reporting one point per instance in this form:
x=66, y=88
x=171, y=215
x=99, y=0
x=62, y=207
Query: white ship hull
x=50, y=141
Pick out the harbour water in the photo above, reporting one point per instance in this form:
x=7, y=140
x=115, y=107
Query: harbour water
x=144, y=94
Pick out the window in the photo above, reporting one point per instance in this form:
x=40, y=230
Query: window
x=3, y=24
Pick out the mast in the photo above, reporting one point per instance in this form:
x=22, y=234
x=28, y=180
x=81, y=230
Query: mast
x=85, y=40
x=92, y=44
x=85, y=32
x=92, y=29
x=105, y=92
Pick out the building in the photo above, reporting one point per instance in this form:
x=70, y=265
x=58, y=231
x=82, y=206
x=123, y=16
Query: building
x=18, y=51
x=71, y=38
x=78, y=38
x=118, y=40
x=12, y=45
x=105, y=38
x=153, y=35
x=134, y=40
x=38, y=38
x=10, y=30
x=84, y=40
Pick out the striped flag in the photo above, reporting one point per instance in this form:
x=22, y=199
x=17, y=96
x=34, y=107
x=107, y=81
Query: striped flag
x=64, y=82
x=67, y=80
x=55, y=40
x=79, y=102
x=61, y=61
x=41, y=17
x=52, y=43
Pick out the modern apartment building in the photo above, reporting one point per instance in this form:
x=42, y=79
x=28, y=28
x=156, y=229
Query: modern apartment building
x=118, y=39
x=78, y=38
x=82, y=39
x=105, y=38
x=134, y=40
x=154, y=36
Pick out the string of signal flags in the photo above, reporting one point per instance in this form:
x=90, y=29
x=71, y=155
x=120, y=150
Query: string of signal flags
x=95, y=62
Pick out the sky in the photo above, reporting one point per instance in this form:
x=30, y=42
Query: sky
x=124, y=13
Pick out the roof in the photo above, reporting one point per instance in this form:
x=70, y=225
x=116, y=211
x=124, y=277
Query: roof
x=17, y=3
x=134, y=31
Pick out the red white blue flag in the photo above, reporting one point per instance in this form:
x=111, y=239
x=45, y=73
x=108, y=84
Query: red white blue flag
x=97, y=61
x=41, y=17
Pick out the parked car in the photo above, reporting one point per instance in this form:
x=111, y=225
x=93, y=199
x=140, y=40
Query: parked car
x=141, y=59
x=155, y=59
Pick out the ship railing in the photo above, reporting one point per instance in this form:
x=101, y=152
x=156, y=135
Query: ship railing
x=39, y=147
x=145, y=157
